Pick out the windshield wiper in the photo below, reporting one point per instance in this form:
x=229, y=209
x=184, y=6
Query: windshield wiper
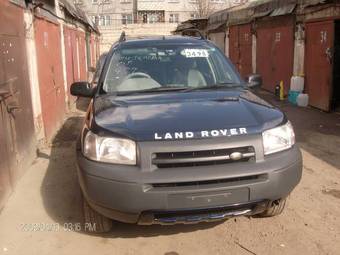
x=224, y=85
x=152, y=90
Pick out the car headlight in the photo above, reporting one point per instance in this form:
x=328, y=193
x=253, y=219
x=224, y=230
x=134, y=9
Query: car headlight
x=278, y=139
x=109, y=149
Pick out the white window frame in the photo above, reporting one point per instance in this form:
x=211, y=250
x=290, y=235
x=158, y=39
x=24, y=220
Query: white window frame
x=174, y=18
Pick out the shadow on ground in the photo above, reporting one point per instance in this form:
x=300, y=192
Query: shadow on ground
x=61, y=193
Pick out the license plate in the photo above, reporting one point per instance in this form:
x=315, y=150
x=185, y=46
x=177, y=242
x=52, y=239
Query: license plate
x=208, y=199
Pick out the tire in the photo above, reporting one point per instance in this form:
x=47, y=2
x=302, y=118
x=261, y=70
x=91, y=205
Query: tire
x=93, y=221
x=275, y=208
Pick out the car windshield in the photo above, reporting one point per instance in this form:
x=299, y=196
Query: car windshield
x=140, y=69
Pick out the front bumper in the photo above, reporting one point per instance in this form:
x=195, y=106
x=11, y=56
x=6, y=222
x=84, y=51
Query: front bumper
x=129, y=194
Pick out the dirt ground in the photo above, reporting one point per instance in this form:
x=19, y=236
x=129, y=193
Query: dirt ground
x=48, y=196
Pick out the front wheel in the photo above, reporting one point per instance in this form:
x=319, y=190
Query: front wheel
x=94, y=221
x=275, y=208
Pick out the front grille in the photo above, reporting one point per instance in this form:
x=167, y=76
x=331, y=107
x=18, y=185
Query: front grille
x=202, y=158
x=210, y=182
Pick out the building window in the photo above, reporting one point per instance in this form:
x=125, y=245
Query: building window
x=100, y=2
x=151, y=16
x=126, y=19
x=104, y=20
x=174, y=18
x=194, y=15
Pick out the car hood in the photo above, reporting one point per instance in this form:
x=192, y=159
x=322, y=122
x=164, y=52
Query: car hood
x=176, y=115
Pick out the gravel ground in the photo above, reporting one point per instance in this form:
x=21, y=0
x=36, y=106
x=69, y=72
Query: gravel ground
x=48, y=195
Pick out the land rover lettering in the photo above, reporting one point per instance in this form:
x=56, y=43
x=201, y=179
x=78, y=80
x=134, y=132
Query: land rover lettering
x=201, y=134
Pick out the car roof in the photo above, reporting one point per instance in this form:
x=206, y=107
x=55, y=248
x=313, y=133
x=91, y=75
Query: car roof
x=162, y=40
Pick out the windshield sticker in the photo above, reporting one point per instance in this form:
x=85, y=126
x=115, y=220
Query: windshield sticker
x=195, y=53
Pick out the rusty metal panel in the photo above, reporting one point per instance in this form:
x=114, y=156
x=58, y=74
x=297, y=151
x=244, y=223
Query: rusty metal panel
x=16, y=119
x=275, y=51
x=318, y=63
x=52, y=94
x=240, y=49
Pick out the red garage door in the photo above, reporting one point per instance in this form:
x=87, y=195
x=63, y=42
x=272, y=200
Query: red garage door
x=240, y=48
x=52, y=93
x=275, y=51
x=319, y=64
x=17, y=141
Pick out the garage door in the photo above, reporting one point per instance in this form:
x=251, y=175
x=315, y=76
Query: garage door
x=17, y=140
x=318, y=59
x=240, y=48
x=52, y=93
x=219, y=40
x=275, y=51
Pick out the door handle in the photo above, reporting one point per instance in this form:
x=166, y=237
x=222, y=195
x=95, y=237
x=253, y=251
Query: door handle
x=12, y=107
x=329, y=55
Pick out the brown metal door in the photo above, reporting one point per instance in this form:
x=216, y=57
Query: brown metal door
x=275, y=51
x=16, y=118
x=318, y=63
x=52, y=93
x=240, y=48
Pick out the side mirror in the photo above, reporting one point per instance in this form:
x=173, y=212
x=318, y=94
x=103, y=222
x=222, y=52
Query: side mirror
x=82, y=89
x=254, y=80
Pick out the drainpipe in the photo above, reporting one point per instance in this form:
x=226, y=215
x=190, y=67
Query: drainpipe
x=33, y=73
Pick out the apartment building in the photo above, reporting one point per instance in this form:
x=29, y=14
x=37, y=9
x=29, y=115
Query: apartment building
x=109, y=13
x=145, y=17
x=115, y=13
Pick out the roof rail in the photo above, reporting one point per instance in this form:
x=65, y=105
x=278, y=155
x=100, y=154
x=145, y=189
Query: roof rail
x=122, y=37
x=201, y=36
